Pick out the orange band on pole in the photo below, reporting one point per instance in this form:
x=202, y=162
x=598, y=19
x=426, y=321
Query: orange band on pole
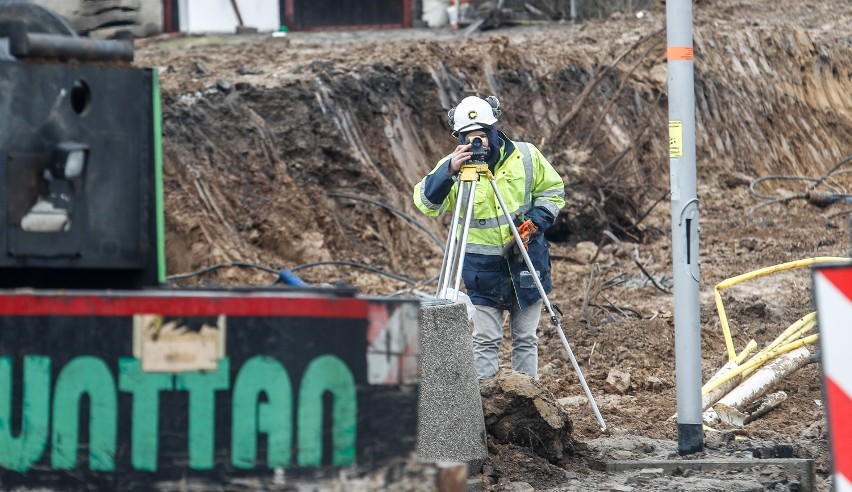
x=679, y=53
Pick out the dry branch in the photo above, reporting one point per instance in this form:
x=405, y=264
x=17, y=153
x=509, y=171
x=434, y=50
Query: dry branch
x=614, y=98
x=635, y=261
x=732, y=407
x=562, y=126
x=593, y=287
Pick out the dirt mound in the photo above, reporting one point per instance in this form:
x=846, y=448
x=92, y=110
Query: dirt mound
x=303, y=151
x=520, y=410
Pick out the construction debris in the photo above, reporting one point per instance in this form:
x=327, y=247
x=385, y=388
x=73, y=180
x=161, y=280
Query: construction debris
x=490, y=14
x=732, y=407
x=520, y=410
x=711, y=397
x=617, y=381
x=750, y=412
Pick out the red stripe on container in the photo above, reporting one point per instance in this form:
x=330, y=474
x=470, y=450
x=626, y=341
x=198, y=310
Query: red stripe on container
x=181, y=305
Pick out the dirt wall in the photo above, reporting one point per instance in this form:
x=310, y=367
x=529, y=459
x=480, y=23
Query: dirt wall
x=369, y=118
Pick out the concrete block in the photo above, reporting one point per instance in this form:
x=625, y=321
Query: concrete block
x=475, y=485
x=246, y=30
x=451, y=425
x=802, y=468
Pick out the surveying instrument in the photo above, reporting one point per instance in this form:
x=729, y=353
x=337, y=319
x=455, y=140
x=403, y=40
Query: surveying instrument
x=451, y=267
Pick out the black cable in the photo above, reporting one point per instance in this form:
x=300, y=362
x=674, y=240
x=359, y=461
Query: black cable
x=221, y=265
x=358, y=265
x=833, y=169
x=779, y=177
x=819, y=199
x=432, y=279
x=402, y=214
x=298, y=267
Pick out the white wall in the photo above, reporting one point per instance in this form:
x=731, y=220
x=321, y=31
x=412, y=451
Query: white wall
x=435, y=13
x=197, y=16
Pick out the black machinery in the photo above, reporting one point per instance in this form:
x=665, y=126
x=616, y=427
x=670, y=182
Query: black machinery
x=80, y=167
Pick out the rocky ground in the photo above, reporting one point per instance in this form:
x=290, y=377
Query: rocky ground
x=301, y=152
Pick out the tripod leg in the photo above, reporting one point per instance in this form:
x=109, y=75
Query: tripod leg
x=553, y=318
x=447, y=262
x=463, y=242
x=454, y=255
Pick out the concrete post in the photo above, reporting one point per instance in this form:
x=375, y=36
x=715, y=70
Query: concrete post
x=451, y=425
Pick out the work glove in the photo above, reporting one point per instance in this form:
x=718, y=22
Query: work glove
x=525, y=229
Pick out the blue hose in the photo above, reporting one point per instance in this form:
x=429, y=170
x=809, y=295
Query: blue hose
x=289, y=278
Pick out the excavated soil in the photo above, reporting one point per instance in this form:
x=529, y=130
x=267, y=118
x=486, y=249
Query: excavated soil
x=302, y=151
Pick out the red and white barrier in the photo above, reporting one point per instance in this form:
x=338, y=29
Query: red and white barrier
x=833, y=291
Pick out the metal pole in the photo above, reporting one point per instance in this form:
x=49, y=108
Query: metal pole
x=468, y=215
x=447, y=262
x=685, y=228
x=237, y=11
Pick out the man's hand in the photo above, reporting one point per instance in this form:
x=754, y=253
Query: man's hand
x=459, y=157
x=511, y=250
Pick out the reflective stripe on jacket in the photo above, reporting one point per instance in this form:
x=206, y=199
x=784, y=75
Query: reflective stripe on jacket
x=530, y=188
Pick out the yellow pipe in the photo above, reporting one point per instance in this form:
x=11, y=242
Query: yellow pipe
x=751, y=345
x=804, y=329
x=790, y=339
x=759, y=360
x=779, y=268
x=726, y=330
x=720, y=307
x=754, y=362
x=792, y=329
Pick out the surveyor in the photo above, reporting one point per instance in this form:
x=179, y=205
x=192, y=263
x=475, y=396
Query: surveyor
x=495, y=274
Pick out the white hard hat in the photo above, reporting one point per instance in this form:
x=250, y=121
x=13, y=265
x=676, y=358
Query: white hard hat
x=474, y=113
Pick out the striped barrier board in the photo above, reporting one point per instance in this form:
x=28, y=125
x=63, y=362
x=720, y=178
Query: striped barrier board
x=833, y=293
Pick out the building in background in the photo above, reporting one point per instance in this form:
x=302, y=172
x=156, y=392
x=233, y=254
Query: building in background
x=103, y=18
x=223, y=16
x=348, y=14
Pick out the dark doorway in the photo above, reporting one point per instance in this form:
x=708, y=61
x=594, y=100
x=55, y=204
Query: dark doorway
x=346, y=14
x=171, y=16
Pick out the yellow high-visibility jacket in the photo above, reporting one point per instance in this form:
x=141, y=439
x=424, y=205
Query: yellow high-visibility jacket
x=531, y=189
